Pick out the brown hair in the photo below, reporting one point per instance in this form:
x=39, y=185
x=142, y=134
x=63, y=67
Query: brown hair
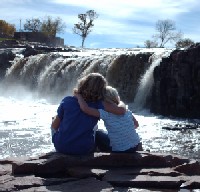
x=111, y=95
x=92, y=86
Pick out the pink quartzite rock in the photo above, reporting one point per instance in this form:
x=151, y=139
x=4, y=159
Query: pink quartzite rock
x=99, y=172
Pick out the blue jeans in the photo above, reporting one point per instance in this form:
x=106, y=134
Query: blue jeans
x=102, y=141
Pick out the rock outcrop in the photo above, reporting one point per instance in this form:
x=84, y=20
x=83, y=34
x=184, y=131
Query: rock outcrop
x=6, y=57
x=10, y=44
x=99, y=172
x=124, y=74
x=176, y=89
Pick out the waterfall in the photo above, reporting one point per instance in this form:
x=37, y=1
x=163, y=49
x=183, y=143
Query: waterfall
x=146, y=81
x=53, y=76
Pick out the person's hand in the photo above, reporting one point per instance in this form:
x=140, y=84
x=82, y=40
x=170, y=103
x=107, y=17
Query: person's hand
x=136, y=124
x=75, y=92
x=77, y=95
x=53, y=118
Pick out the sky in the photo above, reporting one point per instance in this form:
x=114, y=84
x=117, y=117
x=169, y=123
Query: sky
x=120, y=23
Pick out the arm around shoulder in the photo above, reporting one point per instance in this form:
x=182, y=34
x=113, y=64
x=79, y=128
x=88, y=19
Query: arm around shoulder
x=135, y=122
x=85, y=108
x=114, y=108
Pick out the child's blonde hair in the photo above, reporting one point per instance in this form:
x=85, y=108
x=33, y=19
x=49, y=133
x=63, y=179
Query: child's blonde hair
x=111, y=95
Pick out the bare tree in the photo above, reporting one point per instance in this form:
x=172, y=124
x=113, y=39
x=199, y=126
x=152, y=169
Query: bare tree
x=52, y=26
x=150, y=44
x=166, y=32
x=83, y=28
x=33, y=25
x=184, y=43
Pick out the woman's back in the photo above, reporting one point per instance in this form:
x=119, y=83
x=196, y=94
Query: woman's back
x=75, y=134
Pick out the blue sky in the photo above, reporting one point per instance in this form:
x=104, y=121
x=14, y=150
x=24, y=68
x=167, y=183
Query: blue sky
x=121, y=23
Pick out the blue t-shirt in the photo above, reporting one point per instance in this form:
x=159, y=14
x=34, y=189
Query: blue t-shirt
x=75, y=134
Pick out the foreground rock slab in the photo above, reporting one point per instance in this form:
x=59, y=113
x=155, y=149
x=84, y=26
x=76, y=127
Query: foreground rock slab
x=99, y=172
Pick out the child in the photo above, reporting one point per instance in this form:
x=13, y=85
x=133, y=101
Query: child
x=121, y=131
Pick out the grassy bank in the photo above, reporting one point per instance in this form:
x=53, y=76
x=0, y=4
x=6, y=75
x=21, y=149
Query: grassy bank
x=3, y=39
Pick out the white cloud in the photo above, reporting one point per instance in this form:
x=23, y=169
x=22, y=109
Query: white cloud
x=130, y=8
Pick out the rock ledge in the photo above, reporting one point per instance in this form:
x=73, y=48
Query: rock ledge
x=99, y=172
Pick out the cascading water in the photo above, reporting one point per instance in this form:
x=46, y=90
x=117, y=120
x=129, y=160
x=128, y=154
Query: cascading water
x=146, y=82
x=53, y=76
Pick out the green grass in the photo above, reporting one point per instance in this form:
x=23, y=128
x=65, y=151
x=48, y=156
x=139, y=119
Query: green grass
x=3, y=39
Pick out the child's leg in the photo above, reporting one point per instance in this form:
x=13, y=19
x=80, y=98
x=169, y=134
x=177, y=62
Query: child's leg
x=139, y=147
x=102, y=141
x=132, y=149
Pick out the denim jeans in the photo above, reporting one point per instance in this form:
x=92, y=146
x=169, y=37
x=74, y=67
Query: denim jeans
x=102, y=141
x=132, y=149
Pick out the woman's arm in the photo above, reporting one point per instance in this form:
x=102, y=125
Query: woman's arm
x=85, y=108
x=55, y=122
x=119, y=109
x=135, y=122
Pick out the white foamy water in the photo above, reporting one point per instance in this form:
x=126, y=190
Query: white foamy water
x=24, y=127
x=24, y=130
x=146, y=81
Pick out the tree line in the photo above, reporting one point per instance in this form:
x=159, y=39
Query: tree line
x=6, y=29
x=53, y=26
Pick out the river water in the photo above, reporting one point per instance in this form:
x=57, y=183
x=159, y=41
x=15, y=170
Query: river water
x=24, y=130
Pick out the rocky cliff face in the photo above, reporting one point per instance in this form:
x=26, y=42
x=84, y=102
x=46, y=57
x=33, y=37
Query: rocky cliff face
x=5, y=61
x=176, y=88
x=124, y=74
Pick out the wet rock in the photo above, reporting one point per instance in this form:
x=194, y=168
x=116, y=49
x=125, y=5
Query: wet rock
x=192, y=183
x=191, y=168
x=180, y=127
x=144, y=181
x=28, y=51
x=5, y=169
x=98, y=172
x=9, y=44
x=125, y=72
x=6, y=57
x=176, y=90
x=58, y=163
x=88, y=184
x=84, y=172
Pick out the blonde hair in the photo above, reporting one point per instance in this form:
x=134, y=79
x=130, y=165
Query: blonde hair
x=91, y=86
x=111, y=95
